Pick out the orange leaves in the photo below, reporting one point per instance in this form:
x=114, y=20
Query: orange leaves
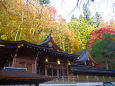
x=51, y=10
x=30, y=21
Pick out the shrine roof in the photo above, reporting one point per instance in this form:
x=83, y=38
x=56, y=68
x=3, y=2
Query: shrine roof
x=36, y=47
x=92, y=71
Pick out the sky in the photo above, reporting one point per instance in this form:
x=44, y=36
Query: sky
x=104, y=7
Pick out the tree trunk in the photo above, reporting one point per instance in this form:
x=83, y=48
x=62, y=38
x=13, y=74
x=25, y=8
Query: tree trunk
x=106, y=63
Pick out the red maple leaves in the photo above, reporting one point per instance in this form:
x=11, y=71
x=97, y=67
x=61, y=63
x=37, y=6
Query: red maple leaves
x=53, y=13
x=51, y=10
x=97, y=34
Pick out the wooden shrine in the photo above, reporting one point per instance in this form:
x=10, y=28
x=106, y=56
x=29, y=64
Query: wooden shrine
x=27, y=63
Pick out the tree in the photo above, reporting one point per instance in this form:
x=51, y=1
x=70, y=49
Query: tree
x=73, y=17
x=65, y=38
x=97, y=19
x=81, y=30
x=22, y=20
x=104, y=50
x=102, y=45
x=98, y=33
x=87, y=14
x=28, y=20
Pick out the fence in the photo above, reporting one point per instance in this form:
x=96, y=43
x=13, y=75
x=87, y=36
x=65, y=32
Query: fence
x=84, y=78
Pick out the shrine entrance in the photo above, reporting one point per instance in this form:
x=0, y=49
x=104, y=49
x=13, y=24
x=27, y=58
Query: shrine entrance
x=55, y=70
x=54, y=67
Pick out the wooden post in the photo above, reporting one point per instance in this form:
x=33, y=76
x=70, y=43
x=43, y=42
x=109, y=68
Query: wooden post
x=45, y=71
x=67, y=71
x=57, y=70
x=103, y=79
x=14, y=62
x=78, y=78
x=110, y=78
x=30, y=84
x=39, y=71
x=68, y=78
x=33, y=68
x=57, y=73
x=37, y=83
x=14, y=58
x=52, y=71
x=36, y=64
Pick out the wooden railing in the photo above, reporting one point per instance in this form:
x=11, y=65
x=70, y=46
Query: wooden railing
x=85, y=78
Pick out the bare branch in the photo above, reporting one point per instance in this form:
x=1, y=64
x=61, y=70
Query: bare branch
x=74, y=8
x=62, y=2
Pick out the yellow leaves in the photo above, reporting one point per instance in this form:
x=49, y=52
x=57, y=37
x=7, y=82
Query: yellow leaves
x=3, y=37
x=31, y=22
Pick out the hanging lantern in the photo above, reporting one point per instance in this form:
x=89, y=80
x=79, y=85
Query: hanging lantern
x=1, y=45
x=20, y=45
x=46, y=60
x=69, y=63
x=58, y=61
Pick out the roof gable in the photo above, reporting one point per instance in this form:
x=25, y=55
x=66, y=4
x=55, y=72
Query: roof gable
x=49, y=43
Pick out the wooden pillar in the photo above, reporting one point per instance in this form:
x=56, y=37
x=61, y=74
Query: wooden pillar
x=36, y=64
x=37, y=83
x=67, y=69
x=35, y=68
x=57, y=69
x=103, y=79
x=52, y=71
x=14, y=62
x=45, y=71
x=110, y=78
x=39, y=70
x=14, y=58
x=57, y=73
x=30, y=84
x=78, y=77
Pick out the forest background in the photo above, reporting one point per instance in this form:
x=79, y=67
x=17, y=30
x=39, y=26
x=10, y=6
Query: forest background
x=34, y=20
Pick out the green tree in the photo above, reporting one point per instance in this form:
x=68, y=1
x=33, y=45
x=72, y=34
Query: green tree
x=73, y=17
x=103, y=50
x=97, y=19
x=87, y=13
x=81, y=30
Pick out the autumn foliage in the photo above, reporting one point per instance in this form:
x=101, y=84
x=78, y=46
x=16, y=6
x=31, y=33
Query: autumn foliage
x=30, y=21
x=98, y=34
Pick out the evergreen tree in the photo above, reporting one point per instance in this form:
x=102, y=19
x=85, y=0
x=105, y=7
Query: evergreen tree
x=81, y=30
x=97, y=19
x=86, y=12
x=103, y=50
x=73, y=17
